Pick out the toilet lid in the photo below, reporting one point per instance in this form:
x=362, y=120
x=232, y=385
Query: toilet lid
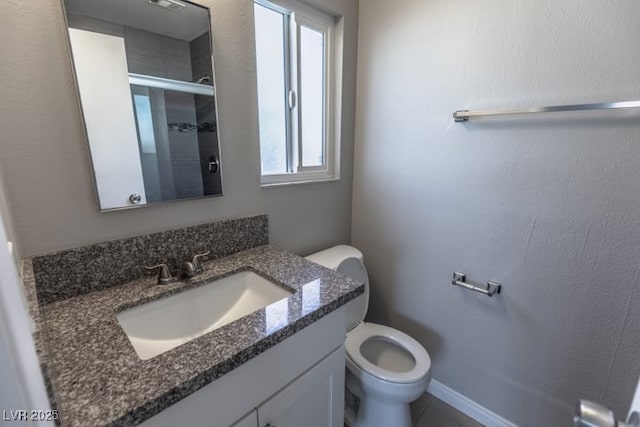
x=367, y=331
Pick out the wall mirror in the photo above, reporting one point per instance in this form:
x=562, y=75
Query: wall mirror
x=144, y=73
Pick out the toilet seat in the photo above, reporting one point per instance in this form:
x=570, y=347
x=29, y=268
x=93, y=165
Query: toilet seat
x=365, y=331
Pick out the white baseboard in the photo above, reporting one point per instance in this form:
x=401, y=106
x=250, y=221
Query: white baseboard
x=467, y=406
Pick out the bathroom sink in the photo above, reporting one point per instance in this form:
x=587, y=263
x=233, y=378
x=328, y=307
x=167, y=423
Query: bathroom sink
x=161, y=325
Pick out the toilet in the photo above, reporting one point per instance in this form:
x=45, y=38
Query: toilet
x=385, y=369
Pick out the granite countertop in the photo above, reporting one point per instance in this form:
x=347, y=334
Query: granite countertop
x=97, y=377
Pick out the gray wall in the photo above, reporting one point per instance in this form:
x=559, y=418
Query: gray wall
x=147, y=53
x=547, y=205
x=45, y=159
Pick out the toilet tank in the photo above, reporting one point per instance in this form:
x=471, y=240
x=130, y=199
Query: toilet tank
x=348, y=261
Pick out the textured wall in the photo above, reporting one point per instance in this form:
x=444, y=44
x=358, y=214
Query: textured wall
x=547, y=205
x=44, y=157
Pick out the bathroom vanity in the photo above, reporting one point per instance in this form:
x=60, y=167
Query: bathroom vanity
x=280, y=365
x=295, y=383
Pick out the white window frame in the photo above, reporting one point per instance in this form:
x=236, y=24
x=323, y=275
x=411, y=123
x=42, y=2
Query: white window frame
x=302, y=15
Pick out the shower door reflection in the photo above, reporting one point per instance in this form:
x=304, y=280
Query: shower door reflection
x=175, y=140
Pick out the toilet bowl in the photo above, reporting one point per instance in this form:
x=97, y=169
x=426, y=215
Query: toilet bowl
x=386, y=368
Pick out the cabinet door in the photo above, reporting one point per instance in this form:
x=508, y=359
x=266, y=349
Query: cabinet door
x=249, y=420
x=315, y=399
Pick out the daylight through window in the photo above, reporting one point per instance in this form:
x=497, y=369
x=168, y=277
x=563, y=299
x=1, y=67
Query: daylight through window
x=293, y=57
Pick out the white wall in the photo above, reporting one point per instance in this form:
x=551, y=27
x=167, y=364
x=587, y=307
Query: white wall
x=22, y=386
x=5, y=212
x=635, y=403
x=44, y=156
x=547, y=205
x=101, y=61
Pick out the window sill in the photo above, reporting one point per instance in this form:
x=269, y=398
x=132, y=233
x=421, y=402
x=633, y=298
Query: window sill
x=268, y=181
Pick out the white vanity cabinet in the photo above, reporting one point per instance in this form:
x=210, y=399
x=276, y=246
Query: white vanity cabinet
x=315, y=399
x=298, y=382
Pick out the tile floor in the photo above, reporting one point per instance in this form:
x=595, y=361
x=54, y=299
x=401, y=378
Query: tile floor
x=429, y=411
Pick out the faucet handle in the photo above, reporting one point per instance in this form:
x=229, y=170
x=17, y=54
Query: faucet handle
x=196, y=260
x=165, y=274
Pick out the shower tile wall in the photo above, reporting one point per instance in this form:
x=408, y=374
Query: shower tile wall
x=185, y=156
x=157, y=55
x=147, y=53
x=205, y=112
x=200, y=57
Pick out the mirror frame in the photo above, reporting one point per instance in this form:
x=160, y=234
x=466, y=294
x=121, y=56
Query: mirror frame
x=74, y=76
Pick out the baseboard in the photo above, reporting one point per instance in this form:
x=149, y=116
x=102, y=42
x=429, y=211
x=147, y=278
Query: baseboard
x=467, y=406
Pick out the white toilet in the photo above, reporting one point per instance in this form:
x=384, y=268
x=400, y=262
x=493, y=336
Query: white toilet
x=386, y=368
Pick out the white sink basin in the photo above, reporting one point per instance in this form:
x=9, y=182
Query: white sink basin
x=161, y=325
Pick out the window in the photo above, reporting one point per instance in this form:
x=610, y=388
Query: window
x=295, y=99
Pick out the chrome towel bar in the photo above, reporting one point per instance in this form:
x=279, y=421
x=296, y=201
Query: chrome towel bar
x=490, y=289
x=464, y=115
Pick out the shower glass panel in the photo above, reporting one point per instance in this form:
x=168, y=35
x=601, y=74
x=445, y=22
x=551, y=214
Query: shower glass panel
x=173, y=137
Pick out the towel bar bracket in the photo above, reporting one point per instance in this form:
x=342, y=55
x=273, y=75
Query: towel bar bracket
x=490, y=289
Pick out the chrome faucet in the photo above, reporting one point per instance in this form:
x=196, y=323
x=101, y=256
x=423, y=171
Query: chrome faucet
x=188, y=269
